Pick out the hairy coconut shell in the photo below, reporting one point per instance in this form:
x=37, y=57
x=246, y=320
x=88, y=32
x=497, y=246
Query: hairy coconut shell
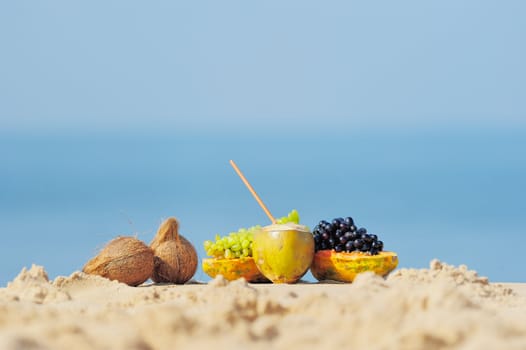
x=175, y=262
x=175, y=257
x=125, y=259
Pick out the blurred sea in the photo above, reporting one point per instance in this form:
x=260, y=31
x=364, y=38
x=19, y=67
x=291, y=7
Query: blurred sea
x=453, y=194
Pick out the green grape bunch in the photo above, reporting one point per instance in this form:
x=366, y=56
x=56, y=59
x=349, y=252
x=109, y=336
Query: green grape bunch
x=239, y=244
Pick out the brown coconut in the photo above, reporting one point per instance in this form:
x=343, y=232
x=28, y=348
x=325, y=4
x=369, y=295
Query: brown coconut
x=175, y=258
x=125, y=259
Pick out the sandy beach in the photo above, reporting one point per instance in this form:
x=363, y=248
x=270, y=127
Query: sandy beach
x=442, y=307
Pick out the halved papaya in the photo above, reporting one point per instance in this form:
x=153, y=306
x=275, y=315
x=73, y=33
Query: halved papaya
x=234, y=268
x=343, y=267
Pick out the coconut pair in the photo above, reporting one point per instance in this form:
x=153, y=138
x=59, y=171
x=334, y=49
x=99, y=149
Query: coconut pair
x=170, y=258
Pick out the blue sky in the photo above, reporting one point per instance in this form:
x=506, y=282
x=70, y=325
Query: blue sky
x=118, y=65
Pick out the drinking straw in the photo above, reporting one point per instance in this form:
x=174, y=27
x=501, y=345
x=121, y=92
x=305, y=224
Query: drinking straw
x=251, y=189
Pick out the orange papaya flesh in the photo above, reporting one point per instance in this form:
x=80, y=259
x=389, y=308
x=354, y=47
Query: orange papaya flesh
x=234, y=268
x=344, y=267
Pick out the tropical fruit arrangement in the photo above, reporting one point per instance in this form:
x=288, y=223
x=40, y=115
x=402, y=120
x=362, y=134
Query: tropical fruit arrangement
x=279, y=253
x=283, y=252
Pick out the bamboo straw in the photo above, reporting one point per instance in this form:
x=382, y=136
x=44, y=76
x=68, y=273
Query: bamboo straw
x=251, y=189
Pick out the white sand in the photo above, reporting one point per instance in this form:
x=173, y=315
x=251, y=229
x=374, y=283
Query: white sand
x=443, y=307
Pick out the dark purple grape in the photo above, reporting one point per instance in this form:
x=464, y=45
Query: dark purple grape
x=349, y=246
x=373, y=251
x=343, y=240
x=362, y=230
x=338, y=248
x=375, y=245
x=324, y=245
x=338, y=233
x=348, y=221
x=374, y=237
x=324, y=236
x=351, y=236
x=358, y=243
x=331, y=243
x=365, y=247
x=367, y=238
x=329, y=228
x=379, y=245
x=336, y=222
x=352, y=228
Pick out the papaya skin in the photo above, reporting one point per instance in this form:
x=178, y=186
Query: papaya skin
x=233, y=269
x=344, y=267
